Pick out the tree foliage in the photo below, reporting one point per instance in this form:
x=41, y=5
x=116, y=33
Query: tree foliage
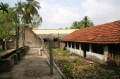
x=4, y=7
x=82, y=24
x=29, y=12
x=6, y=24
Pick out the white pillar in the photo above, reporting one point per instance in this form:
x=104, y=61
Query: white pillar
x=79, y=46
x=90, y=48
x=105, y=53
x=71, y=45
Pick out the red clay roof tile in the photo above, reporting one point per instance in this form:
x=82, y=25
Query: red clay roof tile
x=108, y=33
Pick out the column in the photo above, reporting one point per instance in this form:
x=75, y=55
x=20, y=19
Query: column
x=79, y=46
x=90, y=48
x=105, y=53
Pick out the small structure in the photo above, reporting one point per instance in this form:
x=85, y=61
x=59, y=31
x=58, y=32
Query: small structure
x=31, y=39
x=100, y=43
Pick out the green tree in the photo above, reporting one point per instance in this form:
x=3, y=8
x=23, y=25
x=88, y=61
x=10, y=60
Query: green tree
x=30, y=10
x=19, y=11
x=86, y=22
x=36, y=21
x=6, y=25
x=29, y=14
x=82, y=24
x=75, y=25
x=3, y=7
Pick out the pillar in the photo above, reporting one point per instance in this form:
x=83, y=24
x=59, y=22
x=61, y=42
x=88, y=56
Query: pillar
x=90, y=48
x=79, y=46
x=105, y=53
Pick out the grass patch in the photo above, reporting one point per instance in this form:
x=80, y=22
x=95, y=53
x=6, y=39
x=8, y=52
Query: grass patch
x=62, y=52
x=55, y=53
x=77, y=61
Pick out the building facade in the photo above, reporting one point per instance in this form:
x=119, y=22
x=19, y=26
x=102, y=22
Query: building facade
x=99, y=43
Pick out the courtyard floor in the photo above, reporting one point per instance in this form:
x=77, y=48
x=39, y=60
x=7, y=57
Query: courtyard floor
x=32, y=66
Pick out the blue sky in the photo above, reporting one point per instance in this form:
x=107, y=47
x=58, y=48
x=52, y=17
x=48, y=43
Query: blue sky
x=61, y=13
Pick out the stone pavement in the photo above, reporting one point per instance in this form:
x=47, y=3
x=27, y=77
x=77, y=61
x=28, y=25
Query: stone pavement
x=32, y=66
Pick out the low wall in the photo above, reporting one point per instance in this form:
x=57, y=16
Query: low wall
x=75, y=51
x=8, y=60
x=90, y=55
x=95, y=57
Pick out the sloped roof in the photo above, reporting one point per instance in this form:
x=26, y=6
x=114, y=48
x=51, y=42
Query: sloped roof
x=30, y=29
x=108, y=33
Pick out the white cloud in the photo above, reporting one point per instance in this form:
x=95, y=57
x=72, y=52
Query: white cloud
x=57, y=16
x=102, y=11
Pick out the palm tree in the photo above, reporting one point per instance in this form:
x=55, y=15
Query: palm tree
x=74, y=25
x=28, y=10
x=18, y=13
x=86, y=22
x=31, y=9
x=82, y=24
x=3, y=7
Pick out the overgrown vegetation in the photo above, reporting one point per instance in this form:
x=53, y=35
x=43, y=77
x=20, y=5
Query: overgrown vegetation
x=75, y=67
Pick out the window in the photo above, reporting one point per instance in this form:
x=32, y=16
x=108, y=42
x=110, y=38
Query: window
x=97, y=48
x=114, y=51
x=85, y=46
x=77, y=45
x=73, y=45
x=69, y=44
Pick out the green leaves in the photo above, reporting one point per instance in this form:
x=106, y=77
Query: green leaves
x=82, y=24
x=6, y=24
x=3, y=7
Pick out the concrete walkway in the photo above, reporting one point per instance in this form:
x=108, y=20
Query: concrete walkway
x=32, y=66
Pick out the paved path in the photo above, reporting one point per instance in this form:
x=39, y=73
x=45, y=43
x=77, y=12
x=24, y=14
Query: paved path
x=32, y=66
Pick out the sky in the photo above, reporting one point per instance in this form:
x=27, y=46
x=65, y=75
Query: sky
x=62, y=13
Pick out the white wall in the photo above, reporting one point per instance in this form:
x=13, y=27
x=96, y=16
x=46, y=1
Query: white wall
x=75, y=51
x=90, y=55
x=95, y=57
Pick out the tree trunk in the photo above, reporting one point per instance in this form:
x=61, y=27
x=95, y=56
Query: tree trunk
x=17, y=38
x=23, y=35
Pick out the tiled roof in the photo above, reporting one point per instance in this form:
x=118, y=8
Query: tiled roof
x=108, y=33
